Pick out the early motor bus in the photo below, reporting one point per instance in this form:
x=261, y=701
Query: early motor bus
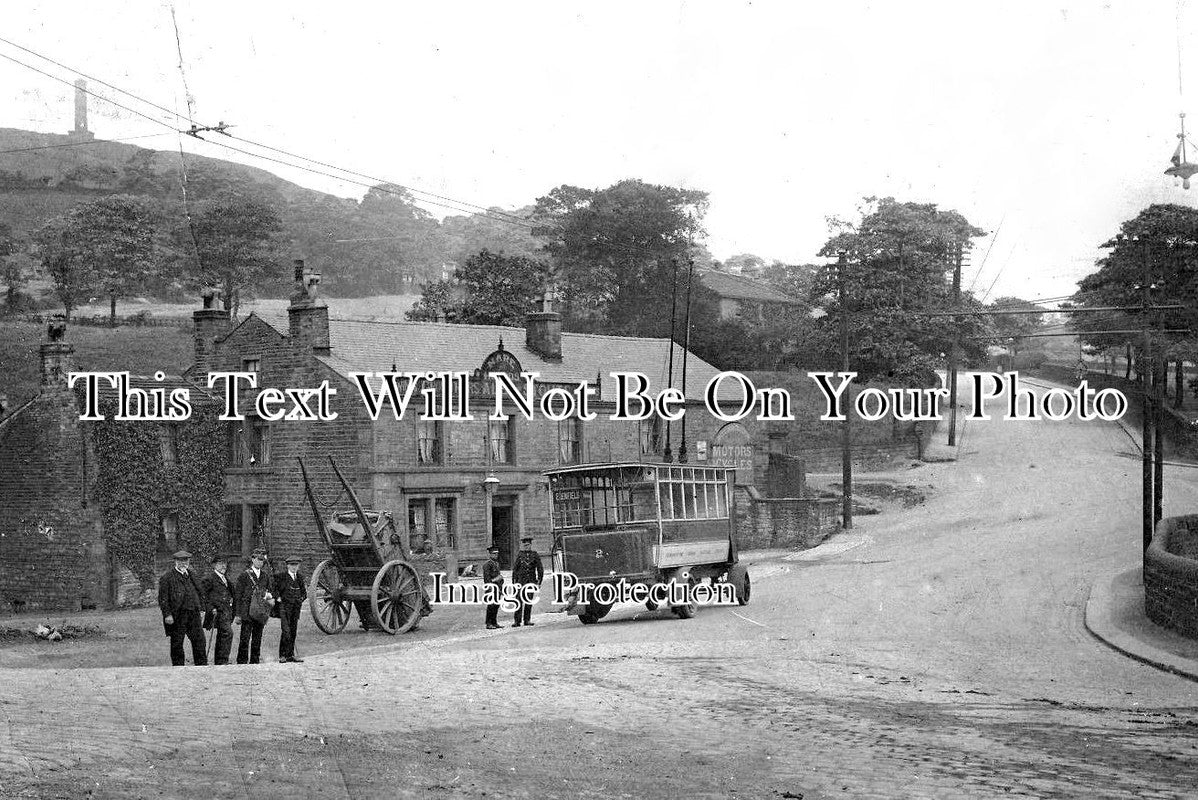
x=647, y=525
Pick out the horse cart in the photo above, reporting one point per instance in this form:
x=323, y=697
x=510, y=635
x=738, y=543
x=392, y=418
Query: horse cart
x=368, y=568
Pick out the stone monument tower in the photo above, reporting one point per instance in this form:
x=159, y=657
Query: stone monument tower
x=81, y=131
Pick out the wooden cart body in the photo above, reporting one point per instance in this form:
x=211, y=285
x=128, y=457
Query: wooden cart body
x=368, y=568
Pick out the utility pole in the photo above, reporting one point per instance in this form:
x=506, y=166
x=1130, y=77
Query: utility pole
x=669, y=456
x=846, y=428
x=1147, y=435
x=958, y=255
x=686, y=347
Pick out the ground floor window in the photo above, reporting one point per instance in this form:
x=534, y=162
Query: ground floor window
x=433, y=523
x=245, y=526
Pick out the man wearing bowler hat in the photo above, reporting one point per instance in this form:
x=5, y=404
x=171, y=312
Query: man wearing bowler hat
x=292, y=590
x=218, y=609
x=491, y=574
x=181, y=600
x=253, y=582
x=527, y=569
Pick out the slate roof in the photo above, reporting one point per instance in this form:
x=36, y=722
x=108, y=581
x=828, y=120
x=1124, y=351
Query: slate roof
x=738, y=287
x=375, y=346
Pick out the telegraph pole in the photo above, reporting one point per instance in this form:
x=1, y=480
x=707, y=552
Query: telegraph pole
x=846, y=428
x=952, y=357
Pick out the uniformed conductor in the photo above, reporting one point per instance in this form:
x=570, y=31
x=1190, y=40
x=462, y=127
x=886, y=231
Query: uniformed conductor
x=491, y=574
x=527, y=569
x=181, y=600
x=291, y=588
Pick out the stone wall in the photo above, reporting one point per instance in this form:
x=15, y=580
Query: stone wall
x=786, y=522
x=52, y=553
x=1171, y=575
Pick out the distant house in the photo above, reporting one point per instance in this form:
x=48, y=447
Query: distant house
x=745, y=297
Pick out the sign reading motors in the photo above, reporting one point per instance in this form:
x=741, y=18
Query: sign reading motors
x=739, y=456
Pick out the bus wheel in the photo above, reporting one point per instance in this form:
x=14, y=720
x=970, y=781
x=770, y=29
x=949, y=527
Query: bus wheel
x=594, y=613
x=687, y=610
x=738, y=576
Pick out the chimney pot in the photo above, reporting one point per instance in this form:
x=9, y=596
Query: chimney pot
x=543, y=331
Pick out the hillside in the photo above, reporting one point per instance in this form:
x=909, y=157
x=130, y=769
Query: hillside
x=396, y=246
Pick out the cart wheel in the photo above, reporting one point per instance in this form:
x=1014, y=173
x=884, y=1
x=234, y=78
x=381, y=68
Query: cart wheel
x=395, y=597
x=330, y=608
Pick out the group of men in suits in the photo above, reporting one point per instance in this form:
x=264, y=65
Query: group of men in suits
x=191, y=605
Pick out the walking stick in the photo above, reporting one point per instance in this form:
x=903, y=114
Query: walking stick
x=211, y=639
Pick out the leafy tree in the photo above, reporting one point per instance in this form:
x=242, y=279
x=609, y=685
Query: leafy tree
x=14, y=277
x=613, y=249
x=235, y=238
x=899, y=259
x=489, y=289
x=71, y=273
x=109, y=245
x=1014, y=328
x=1157, y=248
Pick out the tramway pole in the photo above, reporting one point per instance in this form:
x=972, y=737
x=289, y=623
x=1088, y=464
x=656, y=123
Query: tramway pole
x=669, y=456
x=686, y=347
x=846, y=428
x=1147, y=367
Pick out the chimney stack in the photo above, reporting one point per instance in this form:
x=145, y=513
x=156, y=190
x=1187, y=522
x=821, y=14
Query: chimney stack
x=543, y=331
x=211, y=322
x=308, y=316
x=56, y=357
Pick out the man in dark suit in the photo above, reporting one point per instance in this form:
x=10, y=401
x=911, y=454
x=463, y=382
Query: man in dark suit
x=292, y=590
x=491, y=574
x=218, y=608
x=254, y=581
x=181, y=600
x=527, y=569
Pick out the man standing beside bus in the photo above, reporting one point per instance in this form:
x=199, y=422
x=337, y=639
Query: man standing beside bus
x=527, y=570
x=492, y=574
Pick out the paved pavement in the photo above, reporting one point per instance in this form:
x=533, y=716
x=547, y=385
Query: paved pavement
x=1115, y=615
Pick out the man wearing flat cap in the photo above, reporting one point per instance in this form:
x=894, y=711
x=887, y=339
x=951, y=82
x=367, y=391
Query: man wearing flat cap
x=254, y=592
x=491, y=574
x=181, y=600
x=527, y=570
x=218, y=609
x=292, y=590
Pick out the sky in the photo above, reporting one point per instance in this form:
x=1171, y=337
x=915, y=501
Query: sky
x=1044, y=123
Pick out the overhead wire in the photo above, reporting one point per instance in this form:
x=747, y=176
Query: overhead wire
x=82, y=143
x=175, y=114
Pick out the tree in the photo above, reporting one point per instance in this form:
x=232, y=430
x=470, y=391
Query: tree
x=899, y=257
x=235, y=241
x=1159, y=244
x=1013, y=328
x=109, y=245
x=614, y=248
x=489, y=289
x=14, y=277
